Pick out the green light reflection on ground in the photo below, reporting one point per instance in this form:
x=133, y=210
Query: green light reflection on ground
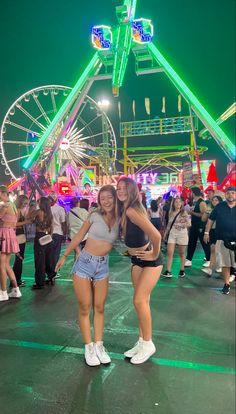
x=157, y=361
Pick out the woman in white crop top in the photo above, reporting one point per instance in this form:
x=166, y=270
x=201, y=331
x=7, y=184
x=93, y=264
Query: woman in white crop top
x=90, y=272
x=155, y=213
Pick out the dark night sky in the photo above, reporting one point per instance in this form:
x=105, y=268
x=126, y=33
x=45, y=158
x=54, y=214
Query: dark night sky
x=47, y=42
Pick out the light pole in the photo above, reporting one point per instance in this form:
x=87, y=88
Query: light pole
x=104, y=104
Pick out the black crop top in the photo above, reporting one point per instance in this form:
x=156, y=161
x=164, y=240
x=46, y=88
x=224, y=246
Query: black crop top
x=134, y=237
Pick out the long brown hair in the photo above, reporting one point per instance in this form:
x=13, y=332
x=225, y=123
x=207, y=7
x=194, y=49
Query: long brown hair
x=172, y=206
x=133, y=201
x=45, y=206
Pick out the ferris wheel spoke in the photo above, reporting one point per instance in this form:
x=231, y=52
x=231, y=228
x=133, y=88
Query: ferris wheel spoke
x=41, y=109
x=35, y=121
x=79, y=152
x=25, y=143
x=23, y=128
x=82, y=155
x=75, y=135
x=18, y=158
x=88, y=124
x=53, y=102
x=78, y=159
x=83, y=106
x=91, y=136
x=65, y=155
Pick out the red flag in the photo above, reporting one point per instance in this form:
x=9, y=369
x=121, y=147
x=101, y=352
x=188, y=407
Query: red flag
x=211, y=176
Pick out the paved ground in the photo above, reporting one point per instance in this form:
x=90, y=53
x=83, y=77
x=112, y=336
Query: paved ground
x=42, y=369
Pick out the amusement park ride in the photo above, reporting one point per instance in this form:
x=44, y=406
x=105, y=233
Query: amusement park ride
x=53, y=131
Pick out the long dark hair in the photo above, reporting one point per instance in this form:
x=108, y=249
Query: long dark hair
x=219, y=198
x=84, y=203
x=45, y=206
x=133, y=201
x=154, y=205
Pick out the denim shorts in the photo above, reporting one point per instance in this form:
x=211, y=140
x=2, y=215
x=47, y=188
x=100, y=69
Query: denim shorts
x=91, y=267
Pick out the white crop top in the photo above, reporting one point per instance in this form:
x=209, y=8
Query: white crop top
x=99, y=229
x=154, y=214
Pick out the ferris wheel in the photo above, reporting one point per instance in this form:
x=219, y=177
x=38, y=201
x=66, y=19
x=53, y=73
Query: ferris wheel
x=89, y=140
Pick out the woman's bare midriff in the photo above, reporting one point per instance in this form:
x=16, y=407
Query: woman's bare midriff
x=132, y=250
x=98, y=247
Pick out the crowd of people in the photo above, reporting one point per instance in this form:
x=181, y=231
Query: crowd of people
x=93, y=230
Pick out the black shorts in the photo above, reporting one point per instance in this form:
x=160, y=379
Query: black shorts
x=147, y=263
x=212, y=237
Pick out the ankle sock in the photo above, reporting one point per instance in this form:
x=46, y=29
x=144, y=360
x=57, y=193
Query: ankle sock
x=147, y=342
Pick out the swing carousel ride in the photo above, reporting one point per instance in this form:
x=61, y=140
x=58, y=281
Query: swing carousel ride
x=54, y=131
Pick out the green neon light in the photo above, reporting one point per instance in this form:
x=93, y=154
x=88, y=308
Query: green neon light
x=219, y=369
x=221, y=138
x=125, y=15
x=126, y=12
x=62, y=111
x=123, y=44
x=131, y=5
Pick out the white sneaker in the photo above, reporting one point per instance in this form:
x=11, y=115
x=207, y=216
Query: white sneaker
x=133, y=351
x=232, y=277
x=15, y=293
x=219, y=270
x=91, y=356
x=146, y=350
x=206, y=264
x=3, y=295
x=208, y=271
x=101, y=353
x=187, y=263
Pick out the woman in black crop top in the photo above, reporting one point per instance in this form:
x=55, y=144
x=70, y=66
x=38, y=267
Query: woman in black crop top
x=143, y=241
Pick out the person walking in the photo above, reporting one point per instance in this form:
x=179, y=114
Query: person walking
x=90, y=272
x=197, y=228
x=43, y=245
x=21, y=204
x=8, y=245
x=76, y=217
x=224, y=216
x=58, y=226
x=215, y=258
x=177, y=234
x=165, y=210
x=143, y=241
x=154, y=213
